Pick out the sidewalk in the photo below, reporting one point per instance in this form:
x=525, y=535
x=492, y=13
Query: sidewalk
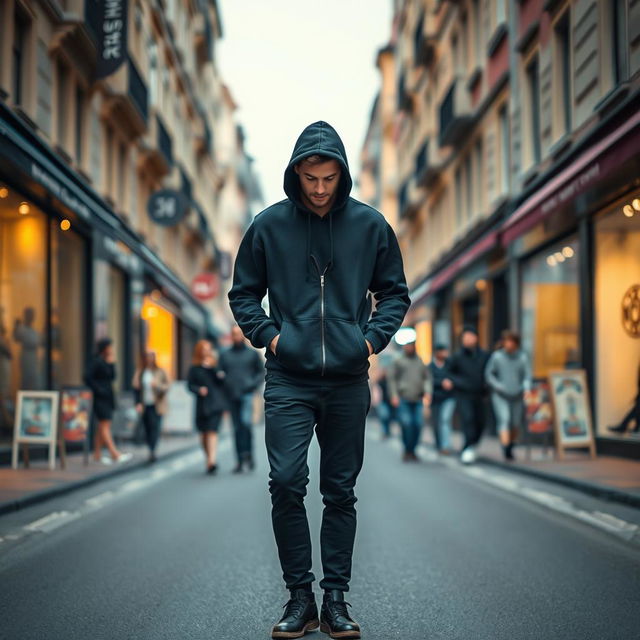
x=608, y=477
x=22, y=487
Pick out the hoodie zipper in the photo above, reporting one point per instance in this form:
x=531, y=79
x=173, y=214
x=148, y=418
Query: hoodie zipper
x=322, y=338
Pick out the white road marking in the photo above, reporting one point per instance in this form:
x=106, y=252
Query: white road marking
x=598, y=519
x=53, y=521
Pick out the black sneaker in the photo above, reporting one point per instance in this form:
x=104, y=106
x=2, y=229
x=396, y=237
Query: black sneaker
x=334, y=617
x=300, y=616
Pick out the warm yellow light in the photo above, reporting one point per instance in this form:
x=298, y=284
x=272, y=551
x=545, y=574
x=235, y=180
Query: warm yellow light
x=24, y=208
x=559, y=257
x=568, y=252
x=636, y=204
x=151, y=312
x=481, y=285
x=551, y=261
x=4, y=192
x=628, y=210
x=65, y=225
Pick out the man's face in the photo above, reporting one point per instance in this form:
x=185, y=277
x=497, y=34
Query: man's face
x=237, y=336
x=319, y=184
x=410, y=349
x=442, y=354
x=469, y=340
x=510, y=346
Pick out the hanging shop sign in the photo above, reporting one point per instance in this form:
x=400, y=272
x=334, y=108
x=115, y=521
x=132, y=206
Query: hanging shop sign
x=167, y=207
x=112, y=35
x=205, y=287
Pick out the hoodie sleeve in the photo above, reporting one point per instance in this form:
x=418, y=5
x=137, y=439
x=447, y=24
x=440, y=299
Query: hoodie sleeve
x=491, y=375
x=249, y=288
x=390, y=290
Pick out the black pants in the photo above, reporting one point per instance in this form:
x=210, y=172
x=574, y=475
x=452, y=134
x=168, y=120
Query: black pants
x=633, y=415
x=151, y=421
x=338, y=414
x=241, y=410
x=472, y=416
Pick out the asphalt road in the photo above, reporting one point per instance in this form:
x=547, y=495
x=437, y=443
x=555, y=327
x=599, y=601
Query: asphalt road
x=178, y=555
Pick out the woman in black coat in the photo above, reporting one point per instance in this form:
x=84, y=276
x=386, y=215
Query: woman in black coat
x=206, y=381
x=99, y=378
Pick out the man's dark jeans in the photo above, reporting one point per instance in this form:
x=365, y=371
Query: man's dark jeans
x=410, y=417
x=241, y=410
x=338, y=414
x=471, y=409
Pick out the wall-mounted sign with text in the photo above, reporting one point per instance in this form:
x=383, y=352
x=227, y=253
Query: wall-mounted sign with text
x=167, y=207
x=110, y=21
x=205, y=287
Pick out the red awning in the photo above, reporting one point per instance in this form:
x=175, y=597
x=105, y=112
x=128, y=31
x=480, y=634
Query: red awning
x=589, y=168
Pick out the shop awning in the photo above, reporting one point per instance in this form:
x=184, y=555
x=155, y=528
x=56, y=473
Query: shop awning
x=429, y=286
x=589, y=168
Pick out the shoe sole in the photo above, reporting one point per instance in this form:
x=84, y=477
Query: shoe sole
x=338, y=634
x=308, y=628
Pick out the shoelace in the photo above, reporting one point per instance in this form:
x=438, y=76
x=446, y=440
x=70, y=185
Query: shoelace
x=294, y=607
x=338, y=607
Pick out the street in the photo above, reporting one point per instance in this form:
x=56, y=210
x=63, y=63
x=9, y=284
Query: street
x=172, y=553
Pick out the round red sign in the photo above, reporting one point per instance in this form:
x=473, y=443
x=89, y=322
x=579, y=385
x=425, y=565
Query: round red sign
x=205, y=286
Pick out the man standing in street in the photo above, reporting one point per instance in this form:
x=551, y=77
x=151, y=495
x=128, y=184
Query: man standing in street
x=244, y=371
x=467, y=379
x=317, y=253
x=443, y=403
x=410, y=389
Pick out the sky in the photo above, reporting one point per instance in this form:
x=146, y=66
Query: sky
x=289, y=63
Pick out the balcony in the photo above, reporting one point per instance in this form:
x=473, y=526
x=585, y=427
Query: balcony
x=76, y=36
x=158, y=148
x=424, y=42
x=427, y=168
x=128, y=102
x=455, y=114
x=409, y=199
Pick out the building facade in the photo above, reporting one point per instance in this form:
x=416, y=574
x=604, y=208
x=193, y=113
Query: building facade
x=517, y=138
x=113, y=185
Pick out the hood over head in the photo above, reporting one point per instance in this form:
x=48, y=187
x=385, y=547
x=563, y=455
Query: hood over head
x=322, y=139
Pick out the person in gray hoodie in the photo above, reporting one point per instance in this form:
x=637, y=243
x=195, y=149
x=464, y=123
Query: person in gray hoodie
x=410, y=389
x=508, y=375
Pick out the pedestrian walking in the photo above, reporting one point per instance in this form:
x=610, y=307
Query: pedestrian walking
x=318, y=253
x=150, y=385
x=410, y=390
x=244, y=372
x=466, y=379
x=508, y=375
x=99, y=378
x=206, y=380
x=381, y=401
x=443, y=403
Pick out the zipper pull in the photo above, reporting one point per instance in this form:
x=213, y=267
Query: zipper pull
x=322, y=280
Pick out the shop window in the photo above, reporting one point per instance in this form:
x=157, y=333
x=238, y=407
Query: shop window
x=23, y=257
x=68, y=305
x=160, y=325
x=550, y=308
x=617, y=314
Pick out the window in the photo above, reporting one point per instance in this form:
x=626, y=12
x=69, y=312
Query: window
x=79, y=130
x=620, y=39
x=479, y=183
x=122, y=171
x=458, y=199
x=477, y=33
x=68, y=294
x=533, y=89
x=563, y=61
x=455, y=57
x=19, y=56
x=505, y=156
x=551, y=308
x=61, y=107
x=468, y=190
x=153, y=73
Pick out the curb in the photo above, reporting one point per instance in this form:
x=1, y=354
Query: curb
x=47, y=494
x=590, y=488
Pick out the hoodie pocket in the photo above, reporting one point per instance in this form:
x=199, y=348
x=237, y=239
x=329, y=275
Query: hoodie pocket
x=345, y=347
x=300, y=345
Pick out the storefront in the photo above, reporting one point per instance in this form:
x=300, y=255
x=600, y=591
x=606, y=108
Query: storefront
x=72, y=272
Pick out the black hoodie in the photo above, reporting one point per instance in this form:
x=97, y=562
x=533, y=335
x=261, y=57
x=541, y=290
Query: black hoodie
x=318, y=272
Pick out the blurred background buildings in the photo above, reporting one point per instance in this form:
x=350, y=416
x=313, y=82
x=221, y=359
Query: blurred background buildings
x=125, y=186
x=504, y=146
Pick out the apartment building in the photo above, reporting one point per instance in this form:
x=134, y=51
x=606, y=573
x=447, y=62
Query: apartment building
x=517, y=144
x=121, y=199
